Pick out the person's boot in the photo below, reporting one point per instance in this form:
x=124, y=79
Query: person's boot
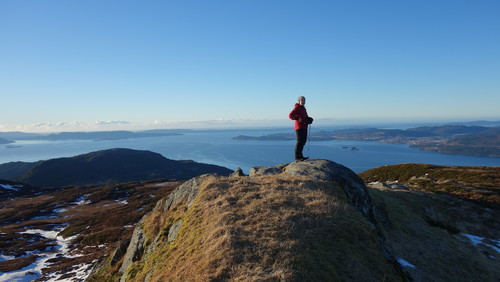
x=301, y=158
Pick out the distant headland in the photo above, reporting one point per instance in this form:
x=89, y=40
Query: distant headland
x=449, y=139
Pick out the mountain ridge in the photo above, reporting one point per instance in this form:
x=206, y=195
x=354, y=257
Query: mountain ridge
x=105, y=167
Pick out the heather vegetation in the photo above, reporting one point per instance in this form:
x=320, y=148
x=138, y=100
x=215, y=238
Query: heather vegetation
x=478, y=184
x=97, y=218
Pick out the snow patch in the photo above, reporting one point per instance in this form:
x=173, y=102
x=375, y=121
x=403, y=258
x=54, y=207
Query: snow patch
x=404, y=263
x=44, y=217
x=477, y=240
x=122, y=201
x=4, y=258
x=34, y=270
x=60, y=210
x=81, y=200
x=11, y=187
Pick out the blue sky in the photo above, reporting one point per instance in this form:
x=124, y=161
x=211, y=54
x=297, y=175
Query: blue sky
x=197, y=63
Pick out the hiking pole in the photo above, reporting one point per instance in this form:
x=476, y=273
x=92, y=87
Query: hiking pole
x=309, y=140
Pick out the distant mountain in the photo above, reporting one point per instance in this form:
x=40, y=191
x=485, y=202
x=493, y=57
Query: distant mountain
x=5, y=141
x=106, y=167
x=97, y=135
x=18, y=135
x=481, y=123
x=15, y=170
x=104, y=135
x=450, y=130
x=448, y=139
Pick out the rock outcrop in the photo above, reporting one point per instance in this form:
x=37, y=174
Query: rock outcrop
x=315, y=170
x=135, y=249
x=185, y=192
x=325, y=170
x=237, y=173
x=120, y=251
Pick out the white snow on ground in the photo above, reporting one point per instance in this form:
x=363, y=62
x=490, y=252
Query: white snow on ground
x=81, y=273
x=81, y=200
x=34, y=270
x=476, y=240
x=60, y=210
x=11, y=187
x=122, y=201
x=4, y=258
x=404, y=263
x=44, y=217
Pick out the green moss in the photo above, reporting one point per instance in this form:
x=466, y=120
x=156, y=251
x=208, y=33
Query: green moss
x=103, y=272
x=189, y=237
x=134, y=269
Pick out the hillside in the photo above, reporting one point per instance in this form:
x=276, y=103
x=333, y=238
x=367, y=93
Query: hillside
x=59, y=233
x=104, y=168
x=15, y=170
x=480, y=185
x=307, y=221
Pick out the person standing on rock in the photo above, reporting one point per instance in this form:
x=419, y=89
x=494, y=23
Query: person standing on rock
x=302, y=121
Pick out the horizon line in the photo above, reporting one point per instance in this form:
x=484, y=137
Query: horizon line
x=222, y=124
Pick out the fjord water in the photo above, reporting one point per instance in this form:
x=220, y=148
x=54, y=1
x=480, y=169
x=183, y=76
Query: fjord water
x=218, y=147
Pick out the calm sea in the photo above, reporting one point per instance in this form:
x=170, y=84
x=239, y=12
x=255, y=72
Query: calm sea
x=217, y=147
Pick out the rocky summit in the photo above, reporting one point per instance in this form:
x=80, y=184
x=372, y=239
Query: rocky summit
x=314, y=220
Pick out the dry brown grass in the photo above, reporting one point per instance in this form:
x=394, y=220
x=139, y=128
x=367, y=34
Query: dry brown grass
x=264, y=229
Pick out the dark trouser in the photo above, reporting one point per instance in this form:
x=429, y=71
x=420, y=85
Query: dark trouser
x=301, y=141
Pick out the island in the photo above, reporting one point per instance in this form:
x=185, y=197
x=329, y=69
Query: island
x=448, y=139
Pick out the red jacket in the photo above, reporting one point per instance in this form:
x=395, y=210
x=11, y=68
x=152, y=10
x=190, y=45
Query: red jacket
x=299, y=112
